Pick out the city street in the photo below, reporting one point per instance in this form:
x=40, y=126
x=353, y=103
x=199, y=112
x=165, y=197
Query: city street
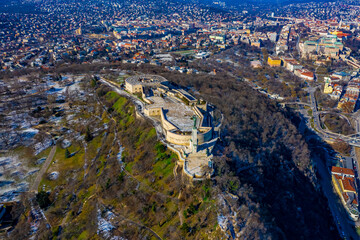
x=342, y=221
x=352, y=140
x=344, y=224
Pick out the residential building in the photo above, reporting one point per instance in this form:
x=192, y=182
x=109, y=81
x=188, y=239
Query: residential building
x=274, y=61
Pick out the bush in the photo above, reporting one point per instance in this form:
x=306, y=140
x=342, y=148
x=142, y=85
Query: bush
x=342, y=147
x=185, y=228
x=67, y=153
x=88, y=135
x=43, y=199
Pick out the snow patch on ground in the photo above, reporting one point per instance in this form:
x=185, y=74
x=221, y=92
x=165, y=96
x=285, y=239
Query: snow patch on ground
x=41, y=146
x=119, y=155
x=13, y=178
x=29, y=133
x=222, y=221
x=53, y=175
x=65, y=143
x=104, y=225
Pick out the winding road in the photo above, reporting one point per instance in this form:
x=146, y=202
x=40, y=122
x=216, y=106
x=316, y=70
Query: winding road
x=342, y=221
x=325, y=134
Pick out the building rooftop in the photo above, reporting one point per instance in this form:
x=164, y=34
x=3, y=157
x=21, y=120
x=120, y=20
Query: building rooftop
x=274, y=58
x=146, y=80
x=176, y=112
x=348, y=184
x=340, y=170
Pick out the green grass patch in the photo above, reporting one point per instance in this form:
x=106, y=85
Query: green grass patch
x=84, y=235
x=184, y=52
x=102, y=162
x=32, y=160
x=105, y=118
x=129, y=120
x=44, y=153
x=119, y=104
x=63, y=165
x=151, y=133
x=357, y=230
x=129, y=166
x=85, y=194
x=165, y=165
x=312, y=123
x=93, y=147
x=171, y=218
x=206, y=193
x=145, y=136
x=112, y=95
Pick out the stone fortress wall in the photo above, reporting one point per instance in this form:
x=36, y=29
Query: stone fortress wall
x=193, y=140
x=180, y=138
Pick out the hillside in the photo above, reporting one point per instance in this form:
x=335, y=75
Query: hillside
x=116, y=179
x=278, y=185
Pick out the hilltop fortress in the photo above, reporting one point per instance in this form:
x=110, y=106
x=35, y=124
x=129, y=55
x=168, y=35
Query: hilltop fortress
x=187, y=124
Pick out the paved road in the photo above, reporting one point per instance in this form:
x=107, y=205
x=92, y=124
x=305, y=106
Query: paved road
x=297, y=45
x=34, y=187
x=352, y=140
x=314, y=109
x=297, y=103
x=348, y=161
x=336, y=113
x=343, y=223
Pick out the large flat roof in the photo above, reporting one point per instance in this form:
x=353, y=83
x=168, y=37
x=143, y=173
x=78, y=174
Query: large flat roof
x=176, y=112
x=146, y=80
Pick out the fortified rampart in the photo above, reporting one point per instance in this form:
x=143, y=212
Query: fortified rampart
x=186, y=122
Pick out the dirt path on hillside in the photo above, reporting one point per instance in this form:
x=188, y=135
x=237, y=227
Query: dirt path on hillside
x=34, y=187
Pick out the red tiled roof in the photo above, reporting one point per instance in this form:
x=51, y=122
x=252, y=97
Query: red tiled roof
x=308, y=74
x=341, y=170
x=334, y=78
x=348, y=184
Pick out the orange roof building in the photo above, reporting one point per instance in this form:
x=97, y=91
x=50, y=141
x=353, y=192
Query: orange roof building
x=305, y=74
x=344, y=183
x=342, y=171
x=347, y=185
